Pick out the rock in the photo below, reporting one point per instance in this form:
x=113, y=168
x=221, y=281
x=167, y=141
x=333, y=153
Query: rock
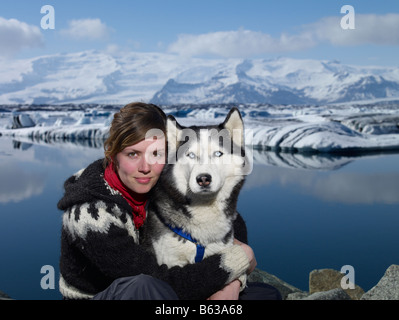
x=387, y=288
x=334, y=294
x=328, y=279
x=4, y=296
x=297, y=296
x=262, y=276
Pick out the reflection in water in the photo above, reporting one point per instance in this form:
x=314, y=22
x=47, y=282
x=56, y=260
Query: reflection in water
x=26, y=142
x=321, y=161
x=289, y=160
x=358, y=188
x=315, y=176
x=364, y=187
x=341, y=187
x=17, y=184
x=21, y=145
x=23, y=165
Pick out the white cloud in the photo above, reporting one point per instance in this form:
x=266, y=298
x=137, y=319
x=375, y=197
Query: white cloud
x=17, y=184
x=87, y=29
x=242, y=43
x=112, y=49
x=16, y=35
x=369, y=29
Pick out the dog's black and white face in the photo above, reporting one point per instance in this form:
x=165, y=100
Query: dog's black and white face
x=204, y=157
x=198, y=189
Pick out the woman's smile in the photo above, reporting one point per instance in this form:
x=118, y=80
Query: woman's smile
x=143, y=180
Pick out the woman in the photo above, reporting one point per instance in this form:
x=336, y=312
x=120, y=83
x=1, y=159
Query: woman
x=104, y=207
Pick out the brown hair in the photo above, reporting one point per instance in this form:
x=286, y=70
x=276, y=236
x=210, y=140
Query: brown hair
x=130, y=126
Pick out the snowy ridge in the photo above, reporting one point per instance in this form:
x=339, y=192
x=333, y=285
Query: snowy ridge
x=281, y=81
x=167, y=79
x=337, y=129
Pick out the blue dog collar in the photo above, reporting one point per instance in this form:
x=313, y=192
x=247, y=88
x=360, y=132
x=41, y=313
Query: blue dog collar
x=200, y=248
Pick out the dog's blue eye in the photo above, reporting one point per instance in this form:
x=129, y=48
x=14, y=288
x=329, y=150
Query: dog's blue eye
x=218, y=154
x=191, y=155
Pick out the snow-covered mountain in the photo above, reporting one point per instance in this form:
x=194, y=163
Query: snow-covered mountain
x=166, y=79
x=85, y=77
x=280, y=81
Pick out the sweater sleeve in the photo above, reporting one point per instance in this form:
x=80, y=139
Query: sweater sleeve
x=240, y=229
x=105, y=248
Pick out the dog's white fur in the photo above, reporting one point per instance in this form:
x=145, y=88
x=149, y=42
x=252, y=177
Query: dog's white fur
x=207, y=221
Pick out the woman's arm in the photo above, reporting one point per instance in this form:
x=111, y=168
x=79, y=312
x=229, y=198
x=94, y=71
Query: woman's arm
x=250, y=255
x=112, y=253
x=240, y=229
x=232, y=290
x=229, y=292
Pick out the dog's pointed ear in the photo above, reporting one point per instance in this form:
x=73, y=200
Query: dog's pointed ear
x=235, y=125
x=173, y=129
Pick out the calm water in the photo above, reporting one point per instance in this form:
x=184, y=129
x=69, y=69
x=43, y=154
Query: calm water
x=302, y=213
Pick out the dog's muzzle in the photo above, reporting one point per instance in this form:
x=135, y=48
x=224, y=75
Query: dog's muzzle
x=204, y=180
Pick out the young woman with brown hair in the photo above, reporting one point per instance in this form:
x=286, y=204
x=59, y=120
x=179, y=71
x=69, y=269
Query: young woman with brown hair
x=104, y=207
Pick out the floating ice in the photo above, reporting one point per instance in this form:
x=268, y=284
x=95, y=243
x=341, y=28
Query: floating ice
x=289, y=129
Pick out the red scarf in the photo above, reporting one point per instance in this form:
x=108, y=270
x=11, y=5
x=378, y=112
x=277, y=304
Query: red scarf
x=136, y=200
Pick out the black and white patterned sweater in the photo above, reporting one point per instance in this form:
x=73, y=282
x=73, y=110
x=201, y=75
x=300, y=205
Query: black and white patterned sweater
x=99, y=243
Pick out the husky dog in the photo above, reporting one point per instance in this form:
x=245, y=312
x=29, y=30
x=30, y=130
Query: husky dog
x=193, y=206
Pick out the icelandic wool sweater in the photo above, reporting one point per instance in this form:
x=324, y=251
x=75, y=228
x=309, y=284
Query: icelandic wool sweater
x=99, y=243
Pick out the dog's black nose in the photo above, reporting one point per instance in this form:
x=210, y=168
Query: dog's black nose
x=204, y=180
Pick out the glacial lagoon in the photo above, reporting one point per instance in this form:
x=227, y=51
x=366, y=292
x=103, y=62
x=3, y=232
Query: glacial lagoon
x=303, y=212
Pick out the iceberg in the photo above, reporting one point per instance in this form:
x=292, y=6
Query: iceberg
x=311, y=129
x=22, y=121
x=337, y=129
x=319, y=137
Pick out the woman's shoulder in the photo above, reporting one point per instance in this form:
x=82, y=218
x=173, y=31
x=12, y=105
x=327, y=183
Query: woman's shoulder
x=85, y=186
x=93, y=170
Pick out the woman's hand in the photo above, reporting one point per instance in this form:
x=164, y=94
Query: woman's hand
x=229, y=292
x=250, y=254
x=232, y=290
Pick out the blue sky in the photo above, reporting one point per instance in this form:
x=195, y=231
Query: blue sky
x=217, y=28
